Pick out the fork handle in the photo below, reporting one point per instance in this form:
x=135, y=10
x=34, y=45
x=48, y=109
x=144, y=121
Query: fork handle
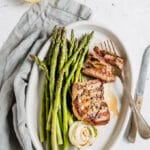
x=133, y=127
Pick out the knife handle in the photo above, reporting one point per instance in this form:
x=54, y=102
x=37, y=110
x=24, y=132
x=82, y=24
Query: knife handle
x=133, y=127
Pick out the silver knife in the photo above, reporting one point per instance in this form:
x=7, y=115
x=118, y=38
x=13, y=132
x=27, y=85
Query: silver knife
x=139, y=92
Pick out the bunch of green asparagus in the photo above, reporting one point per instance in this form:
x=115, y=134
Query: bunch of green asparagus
x=62, y=66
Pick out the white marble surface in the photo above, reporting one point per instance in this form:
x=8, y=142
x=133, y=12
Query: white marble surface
x=128, y=19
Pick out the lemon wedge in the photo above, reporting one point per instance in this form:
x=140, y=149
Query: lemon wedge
x=33, y=1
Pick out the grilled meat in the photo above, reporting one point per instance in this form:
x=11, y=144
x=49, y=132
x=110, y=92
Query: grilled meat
x=100, y=65
x=89, y=104
x=110, y=58
x=97, y=67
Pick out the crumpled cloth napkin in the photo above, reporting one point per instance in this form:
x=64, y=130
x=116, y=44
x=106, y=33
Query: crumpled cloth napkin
x=29, y=35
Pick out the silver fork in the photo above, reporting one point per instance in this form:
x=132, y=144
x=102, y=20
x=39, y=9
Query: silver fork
x=141, y=124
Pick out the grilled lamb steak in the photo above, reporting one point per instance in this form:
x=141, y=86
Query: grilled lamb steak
x=110, y=58
x=96, y=67
x=89, y=104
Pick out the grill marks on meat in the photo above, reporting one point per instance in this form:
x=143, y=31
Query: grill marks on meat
x=100, y=65
x=110, y=58
x=96, y=66
x=89, y=104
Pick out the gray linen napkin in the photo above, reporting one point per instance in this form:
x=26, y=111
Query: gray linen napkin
x=29, y=35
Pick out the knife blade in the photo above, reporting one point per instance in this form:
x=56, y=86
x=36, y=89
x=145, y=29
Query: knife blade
x=143, y=73
x=139, y=91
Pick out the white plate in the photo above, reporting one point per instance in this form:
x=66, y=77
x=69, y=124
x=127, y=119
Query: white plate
x=108, y=134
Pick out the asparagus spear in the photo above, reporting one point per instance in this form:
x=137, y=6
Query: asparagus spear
x=59, y=134
x=52, y=75
x=58, y=90
x=48, y=58
x=74, y=49
x=62, y=59
x=63, y=50
x=44, y=135
x=72, y=42
x=44, y=103
x=41, y=64
x=53, y=39
x=75, y=45
x=82, y=60
x=47, y=111
x=42, y=116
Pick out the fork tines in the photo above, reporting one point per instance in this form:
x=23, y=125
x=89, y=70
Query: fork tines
x=109, y=46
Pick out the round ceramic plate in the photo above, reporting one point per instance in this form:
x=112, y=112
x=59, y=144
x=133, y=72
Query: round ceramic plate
x=109, y=134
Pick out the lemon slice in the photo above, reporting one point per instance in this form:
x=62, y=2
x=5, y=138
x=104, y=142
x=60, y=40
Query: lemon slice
x=33, y=1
